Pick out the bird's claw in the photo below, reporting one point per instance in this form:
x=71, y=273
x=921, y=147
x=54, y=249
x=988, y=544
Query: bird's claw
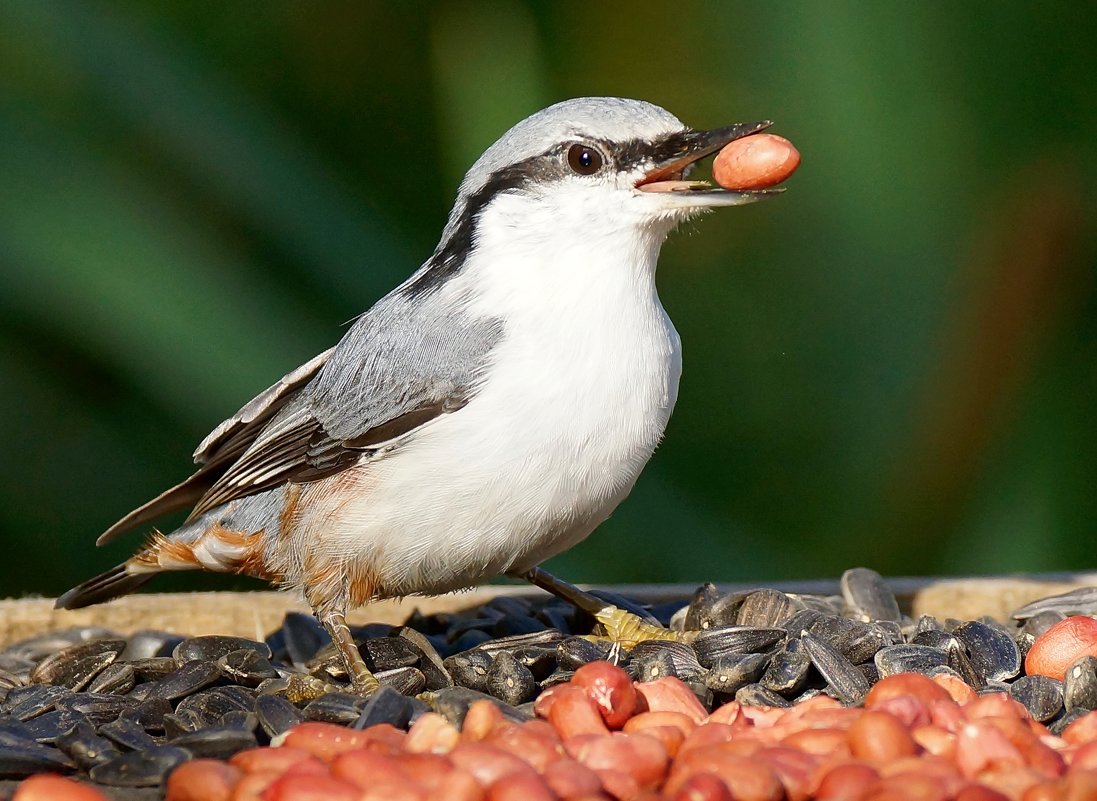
x=301, y=687
x=628, y=629
x=364, y=684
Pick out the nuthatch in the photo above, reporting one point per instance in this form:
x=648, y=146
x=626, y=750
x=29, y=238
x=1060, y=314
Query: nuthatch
x=486, y=414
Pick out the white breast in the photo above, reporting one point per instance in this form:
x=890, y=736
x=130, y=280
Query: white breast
x=574, y=403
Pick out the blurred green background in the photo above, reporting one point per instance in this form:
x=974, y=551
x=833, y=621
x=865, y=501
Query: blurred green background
x=893, y=365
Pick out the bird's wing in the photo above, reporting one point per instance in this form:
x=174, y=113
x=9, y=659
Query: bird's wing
x=235, y=434
x=401, y=365
x=223, y=445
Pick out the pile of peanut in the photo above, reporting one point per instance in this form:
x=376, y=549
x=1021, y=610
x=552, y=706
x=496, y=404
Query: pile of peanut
x=603, y=736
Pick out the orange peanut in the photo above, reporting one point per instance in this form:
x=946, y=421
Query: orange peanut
x=755, y=162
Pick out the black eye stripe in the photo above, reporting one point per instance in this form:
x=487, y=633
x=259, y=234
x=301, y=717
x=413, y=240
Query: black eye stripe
x=634, y=152
x=451, y=253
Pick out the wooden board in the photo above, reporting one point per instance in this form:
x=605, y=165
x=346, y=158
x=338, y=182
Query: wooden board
x=254, y=614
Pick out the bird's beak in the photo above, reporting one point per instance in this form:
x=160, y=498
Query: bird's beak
x=675, y=155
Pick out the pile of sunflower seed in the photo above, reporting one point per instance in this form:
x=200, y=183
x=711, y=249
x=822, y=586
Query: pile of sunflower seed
x=121, y=712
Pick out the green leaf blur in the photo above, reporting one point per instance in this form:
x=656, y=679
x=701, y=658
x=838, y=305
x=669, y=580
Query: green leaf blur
x=892, y=365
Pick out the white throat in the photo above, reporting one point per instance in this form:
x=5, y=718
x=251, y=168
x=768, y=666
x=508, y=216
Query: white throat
x=575, y=258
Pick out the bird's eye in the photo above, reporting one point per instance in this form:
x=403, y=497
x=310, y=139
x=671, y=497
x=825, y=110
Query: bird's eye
x=584, y=159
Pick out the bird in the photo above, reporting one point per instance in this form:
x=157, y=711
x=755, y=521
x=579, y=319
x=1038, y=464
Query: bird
x=486, y=414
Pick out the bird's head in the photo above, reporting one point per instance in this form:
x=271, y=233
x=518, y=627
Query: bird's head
x=598, y=163
x=596, y=173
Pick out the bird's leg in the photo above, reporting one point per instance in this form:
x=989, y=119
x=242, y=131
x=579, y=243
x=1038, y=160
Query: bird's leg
x=618, y=625
x=362, y=681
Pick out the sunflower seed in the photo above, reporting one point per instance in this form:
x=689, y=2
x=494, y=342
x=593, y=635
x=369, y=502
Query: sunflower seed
x=1041, y=622
x=24, y=703
x=127, y=734
x=1076, y=602
x=1080, y=685
x=992, y=652
x=729, y=673
x=149, y=714
x=1041, y=696
x=652, y=659
x=453, y=704
x=57, y=723
x=766, y=609
x=246, y=666
x=215, y=743
x=699, y=614
x=757, y=695
x=183, y=681
x=856, y=641
x=405, y=680
x=430, y=661
x=510, y=681
x=276, y=714
x=470, y=669
x=86, y=748
x=212, y=647
x=77, y=665
x=301, y=638
x=843, y=678
x=342, y=708
x=892, y=659
x=140, y=768
x=20, y=760
x=788, y=670
x=574, y=652
x=866, y=592
x=118, y=678
x=720, y=641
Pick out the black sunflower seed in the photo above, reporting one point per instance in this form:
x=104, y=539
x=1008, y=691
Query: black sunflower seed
x=146, y=768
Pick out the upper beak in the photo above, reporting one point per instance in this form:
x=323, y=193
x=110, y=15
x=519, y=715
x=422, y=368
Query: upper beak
x=680, y=151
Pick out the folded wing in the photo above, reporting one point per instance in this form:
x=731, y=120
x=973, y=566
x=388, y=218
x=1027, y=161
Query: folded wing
x=401, y=365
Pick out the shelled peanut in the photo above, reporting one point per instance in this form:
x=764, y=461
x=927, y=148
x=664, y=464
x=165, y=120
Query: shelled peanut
x=755, y=162
x=602, y=736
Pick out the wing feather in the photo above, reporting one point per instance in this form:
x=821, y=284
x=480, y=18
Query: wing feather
x=401, y=365
x=235, y=434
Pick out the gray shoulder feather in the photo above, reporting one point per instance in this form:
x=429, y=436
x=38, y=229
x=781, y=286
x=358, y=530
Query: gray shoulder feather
x=403, y=363
x=405, y=354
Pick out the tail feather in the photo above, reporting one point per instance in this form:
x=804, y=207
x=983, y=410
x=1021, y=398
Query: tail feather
x=115, y=582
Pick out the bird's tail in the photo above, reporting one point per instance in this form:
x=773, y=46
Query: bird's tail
x=117, y=581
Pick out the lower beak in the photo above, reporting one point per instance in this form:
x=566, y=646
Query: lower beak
x=681, y=151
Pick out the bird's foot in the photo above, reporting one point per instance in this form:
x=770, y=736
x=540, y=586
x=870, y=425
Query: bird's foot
x=362, y=682
x=301, y=688
x=613, y=623
x=627, y=628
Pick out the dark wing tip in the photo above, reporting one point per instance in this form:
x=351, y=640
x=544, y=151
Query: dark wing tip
x=104, y=587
